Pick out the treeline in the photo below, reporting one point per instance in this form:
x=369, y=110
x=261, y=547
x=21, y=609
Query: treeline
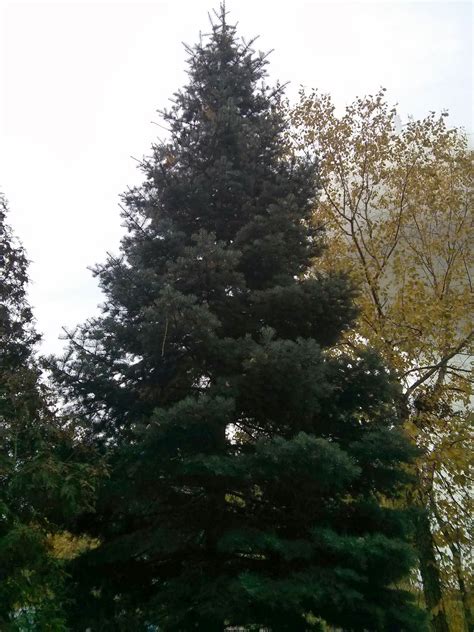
x=267, y=426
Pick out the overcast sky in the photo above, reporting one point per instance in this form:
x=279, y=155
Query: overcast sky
x=80, y=83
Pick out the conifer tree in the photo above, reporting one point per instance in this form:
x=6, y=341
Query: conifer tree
x=44, y=479
x=248, y=457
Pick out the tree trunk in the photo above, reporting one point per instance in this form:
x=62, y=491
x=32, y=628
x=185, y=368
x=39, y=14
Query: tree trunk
x=429, y=568
x=430, y=574
x=455, y=549
x=457, y=563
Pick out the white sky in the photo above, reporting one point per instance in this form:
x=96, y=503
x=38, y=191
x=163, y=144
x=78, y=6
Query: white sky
x=80, y=83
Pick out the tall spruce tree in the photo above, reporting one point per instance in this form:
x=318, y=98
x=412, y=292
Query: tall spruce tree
x=248, y=459
x=45, y=478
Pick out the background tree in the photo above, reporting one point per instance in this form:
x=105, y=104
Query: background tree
x=42, y=478
x=397, y=206
x=247, y=461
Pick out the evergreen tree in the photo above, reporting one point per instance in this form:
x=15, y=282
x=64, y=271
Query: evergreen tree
x=248, y=458
x=44, y=478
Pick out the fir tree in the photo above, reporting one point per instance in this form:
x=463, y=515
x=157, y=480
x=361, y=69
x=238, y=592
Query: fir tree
x=248, y=458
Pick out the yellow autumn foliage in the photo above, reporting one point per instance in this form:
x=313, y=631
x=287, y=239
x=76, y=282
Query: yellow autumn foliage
x=396, y=202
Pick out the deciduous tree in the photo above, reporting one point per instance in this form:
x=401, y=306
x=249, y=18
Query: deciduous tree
x=397, y=206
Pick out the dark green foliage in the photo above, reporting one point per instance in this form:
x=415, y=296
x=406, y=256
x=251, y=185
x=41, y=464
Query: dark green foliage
x=44, y=477
x=251, y=465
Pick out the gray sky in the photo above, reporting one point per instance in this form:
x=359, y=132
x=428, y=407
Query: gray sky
x=80, y=83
